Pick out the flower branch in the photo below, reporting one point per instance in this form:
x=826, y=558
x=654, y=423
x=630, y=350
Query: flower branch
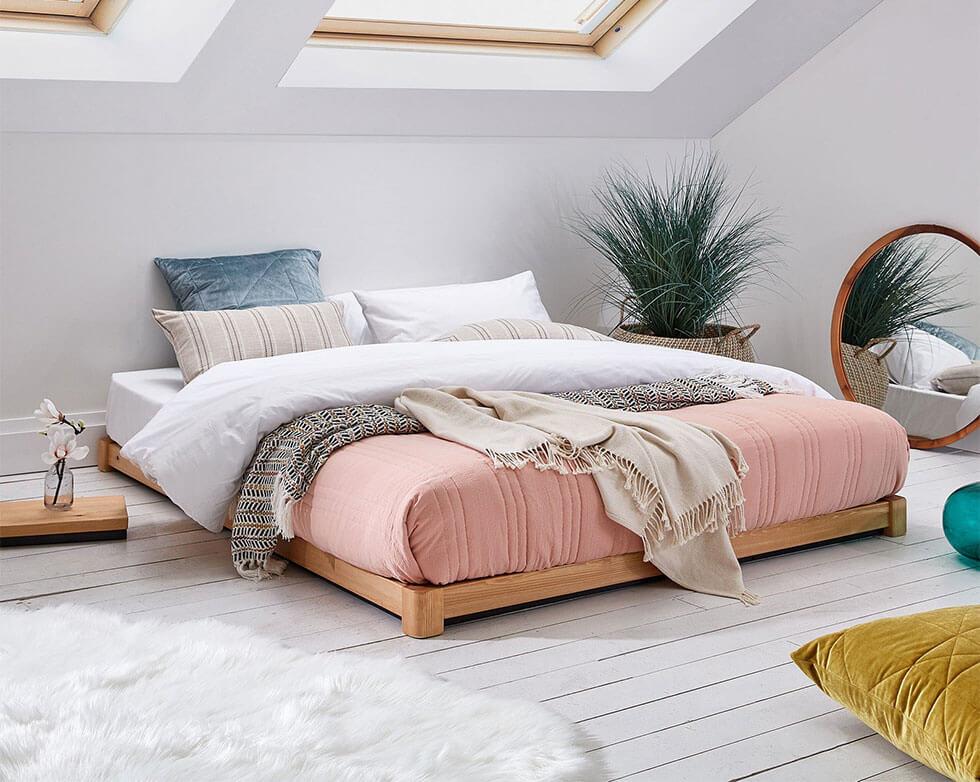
x=50, y=416
x=63, y=445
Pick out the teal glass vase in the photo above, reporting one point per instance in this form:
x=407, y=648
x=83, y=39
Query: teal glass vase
x=961, y=521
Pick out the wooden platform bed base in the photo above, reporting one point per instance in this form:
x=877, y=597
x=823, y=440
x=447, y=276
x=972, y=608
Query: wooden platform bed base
x=423, y=609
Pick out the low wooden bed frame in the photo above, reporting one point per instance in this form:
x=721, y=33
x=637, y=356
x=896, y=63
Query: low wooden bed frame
x=424, y=608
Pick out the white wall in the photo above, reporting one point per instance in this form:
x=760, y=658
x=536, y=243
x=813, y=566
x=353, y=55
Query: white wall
x=880, y=129
x=961, y=262
x=84, y=214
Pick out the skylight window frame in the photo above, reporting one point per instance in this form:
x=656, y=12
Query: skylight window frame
x=93, y=17
x=422, y=36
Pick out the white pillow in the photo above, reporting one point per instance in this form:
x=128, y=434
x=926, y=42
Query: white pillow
x=918, y=357
x=420, y=314
x=354, y=322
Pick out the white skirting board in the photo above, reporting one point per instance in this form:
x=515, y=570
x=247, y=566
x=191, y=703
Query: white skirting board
x=21, y=446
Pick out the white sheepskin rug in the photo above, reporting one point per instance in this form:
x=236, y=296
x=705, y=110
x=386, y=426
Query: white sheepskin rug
x=86, y=695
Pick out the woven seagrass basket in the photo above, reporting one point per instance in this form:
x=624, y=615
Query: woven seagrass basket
x=866, y=372
x=730, y=341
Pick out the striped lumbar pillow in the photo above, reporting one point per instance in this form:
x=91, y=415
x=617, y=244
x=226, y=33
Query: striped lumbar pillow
x=203, y=339
x=519, y=328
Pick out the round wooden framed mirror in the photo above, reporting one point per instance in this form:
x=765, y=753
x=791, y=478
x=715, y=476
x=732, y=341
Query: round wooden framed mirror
x=905, y=333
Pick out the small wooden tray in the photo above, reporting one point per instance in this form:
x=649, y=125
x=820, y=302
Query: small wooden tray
x=28, y=522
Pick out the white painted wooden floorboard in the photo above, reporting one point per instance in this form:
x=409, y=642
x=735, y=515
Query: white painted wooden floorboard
x=870, y=755
x=627, y=683
x=720, y=629
x=666, y=684
x=559, y=654
x=912, y=771
x=134, y=493
x=817, y=743
x=704, y=749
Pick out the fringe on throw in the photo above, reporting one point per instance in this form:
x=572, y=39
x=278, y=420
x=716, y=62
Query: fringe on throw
x=258, y=567
x=724, y=509
x=254, y=570
x=283, y=504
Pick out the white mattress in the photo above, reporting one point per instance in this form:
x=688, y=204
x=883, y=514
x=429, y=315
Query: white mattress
x=932, y=414
x=135, y=397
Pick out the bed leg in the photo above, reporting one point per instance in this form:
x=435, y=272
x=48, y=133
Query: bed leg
x=896, y=517
x=422, y=611
x=103, y=455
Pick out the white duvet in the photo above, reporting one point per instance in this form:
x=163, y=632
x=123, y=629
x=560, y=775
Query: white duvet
x=199, y=444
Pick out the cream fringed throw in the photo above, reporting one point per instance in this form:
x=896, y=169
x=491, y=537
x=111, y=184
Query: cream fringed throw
x=675, y=484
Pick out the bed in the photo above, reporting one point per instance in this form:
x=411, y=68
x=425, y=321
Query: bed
x=433, y=531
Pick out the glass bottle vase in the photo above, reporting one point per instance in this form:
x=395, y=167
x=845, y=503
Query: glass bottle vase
x=59, y=487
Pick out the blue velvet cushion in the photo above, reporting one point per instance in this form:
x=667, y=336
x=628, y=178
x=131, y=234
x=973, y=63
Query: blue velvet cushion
x=237, y=282
x=971, y=349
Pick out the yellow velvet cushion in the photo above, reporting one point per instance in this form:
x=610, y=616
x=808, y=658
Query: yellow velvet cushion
x=914, y=679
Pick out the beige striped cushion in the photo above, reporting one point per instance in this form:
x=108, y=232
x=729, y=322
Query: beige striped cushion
x=203, y=339
x=959, y=379
x=518, y=328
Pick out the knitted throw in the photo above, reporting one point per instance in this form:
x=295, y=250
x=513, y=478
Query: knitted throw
x=289, y=458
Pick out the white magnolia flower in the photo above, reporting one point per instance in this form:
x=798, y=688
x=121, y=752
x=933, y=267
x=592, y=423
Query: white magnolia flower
x=63, y=445
x=48, y=414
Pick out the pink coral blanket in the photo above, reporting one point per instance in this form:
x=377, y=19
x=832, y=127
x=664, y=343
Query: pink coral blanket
x=420, y=509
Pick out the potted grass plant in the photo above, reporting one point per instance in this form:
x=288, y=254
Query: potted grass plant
x=899, y=287
x=682, y=254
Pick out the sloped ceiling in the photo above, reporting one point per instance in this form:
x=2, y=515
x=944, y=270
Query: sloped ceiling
x=150, y=42
x=234, y=85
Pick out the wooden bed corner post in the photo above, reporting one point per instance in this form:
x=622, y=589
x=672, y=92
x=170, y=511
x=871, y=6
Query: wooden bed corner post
x=102, y=454
x=423, y=611
x=896, y=517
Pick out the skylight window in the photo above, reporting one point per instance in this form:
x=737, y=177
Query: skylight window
x=589, y=27
x=60, y=16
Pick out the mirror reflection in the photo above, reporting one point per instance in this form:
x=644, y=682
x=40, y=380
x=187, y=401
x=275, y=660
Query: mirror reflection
x=910, y=335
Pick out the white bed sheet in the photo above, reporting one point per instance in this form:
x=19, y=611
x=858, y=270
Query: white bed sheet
x=135, y=397
x=935, y=414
